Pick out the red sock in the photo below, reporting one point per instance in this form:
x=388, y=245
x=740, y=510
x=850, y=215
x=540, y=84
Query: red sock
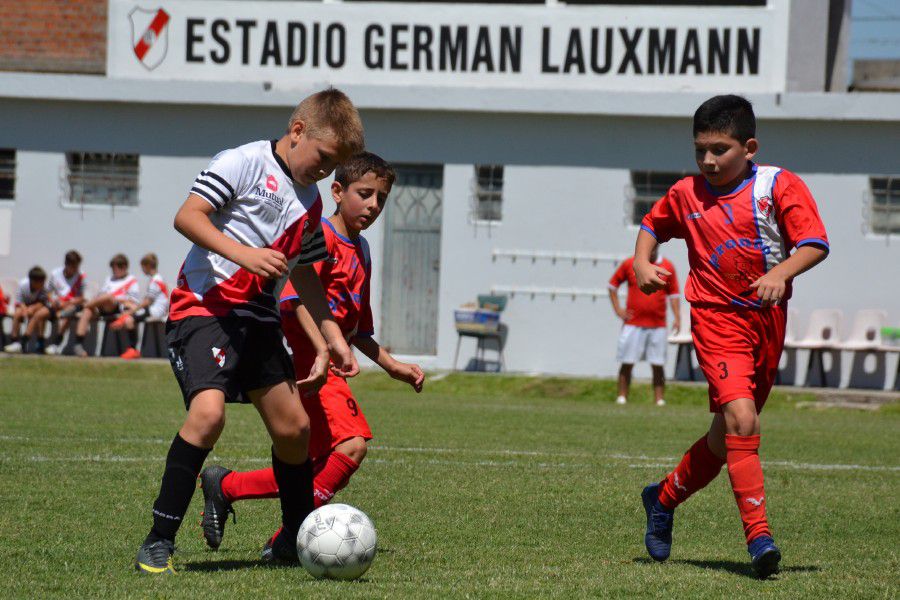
x=333, y=476
x=249, y=485
x=697, y=468
x=746, y=475
x=330, y=476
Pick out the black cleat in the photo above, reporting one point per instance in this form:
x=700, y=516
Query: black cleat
x=155, y=558
x=215, y=506
x=280, y=549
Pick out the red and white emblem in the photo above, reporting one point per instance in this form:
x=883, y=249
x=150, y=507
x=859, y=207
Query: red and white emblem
x=272, y=183
x=219, y=356
x=149, y=35
x=764, y=205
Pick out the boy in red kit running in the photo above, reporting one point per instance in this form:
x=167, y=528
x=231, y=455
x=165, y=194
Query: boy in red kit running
x=338, y=429
x=740, y=222
x=253, y=216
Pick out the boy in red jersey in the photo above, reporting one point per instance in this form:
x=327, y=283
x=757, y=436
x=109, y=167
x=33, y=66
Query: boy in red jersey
x=338, y=429
x=253, y=216
x=643, y=334
x=740, y=222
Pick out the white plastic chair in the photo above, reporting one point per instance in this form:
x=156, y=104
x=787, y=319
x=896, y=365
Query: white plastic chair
x=787, y=374
x=684, y=365
x=866, y=331
x=822, y=335
x=864, y=342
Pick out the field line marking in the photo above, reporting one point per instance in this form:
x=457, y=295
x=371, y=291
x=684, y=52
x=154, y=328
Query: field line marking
x=115, y=458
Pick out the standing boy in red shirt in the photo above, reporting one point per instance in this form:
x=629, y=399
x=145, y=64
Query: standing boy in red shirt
x=339, y=432
x=643, y=334
x=740, y=222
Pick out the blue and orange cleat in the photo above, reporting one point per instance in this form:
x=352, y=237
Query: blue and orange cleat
x=658, y=538
x=764, y=556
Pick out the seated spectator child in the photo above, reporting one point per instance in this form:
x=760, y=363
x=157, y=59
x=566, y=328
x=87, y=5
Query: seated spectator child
x=155, y=305
x=66, y=290
x=119, y=291
x=30, y=298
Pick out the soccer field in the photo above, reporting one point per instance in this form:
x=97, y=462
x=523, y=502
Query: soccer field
x=490, y=487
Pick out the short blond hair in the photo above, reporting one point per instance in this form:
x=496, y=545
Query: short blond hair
x=330, y=112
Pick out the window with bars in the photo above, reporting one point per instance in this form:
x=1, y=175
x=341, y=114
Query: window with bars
x=884, y=213
x=646, y=188
x=102, y=178
x=488, y=192
x=7, y=174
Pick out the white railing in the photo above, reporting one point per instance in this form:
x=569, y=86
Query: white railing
x=555, y=256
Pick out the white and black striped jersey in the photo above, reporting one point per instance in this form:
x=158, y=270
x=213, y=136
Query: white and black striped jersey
x=257, y=204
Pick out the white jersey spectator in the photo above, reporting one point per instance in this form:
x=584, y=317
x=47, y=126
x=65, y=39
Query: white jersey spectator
x=123, y=289
x=158, y=294
x=27, y=295
x=62, y=288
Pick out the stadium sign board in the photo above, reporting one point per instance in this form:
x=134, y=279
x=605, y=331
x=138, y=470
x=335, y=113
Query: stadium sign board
x=623, y=48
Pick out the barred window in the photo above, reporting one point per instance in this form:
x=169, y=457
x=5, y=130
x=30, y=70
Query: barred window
x=102, y=178
x=488, y=192
x=646, y=188
x=7, y=174
x=884, y=216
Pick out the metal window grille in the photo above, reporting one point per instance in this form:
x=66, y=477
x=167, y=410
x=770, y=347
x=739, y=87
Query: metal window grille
x=646, y=188
x=488, y=192
x=884, y=214
x=102, y=178
x=7, y=174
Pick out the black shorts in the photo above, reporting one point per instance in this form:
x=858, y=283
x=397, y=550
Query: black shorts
x=234, y=354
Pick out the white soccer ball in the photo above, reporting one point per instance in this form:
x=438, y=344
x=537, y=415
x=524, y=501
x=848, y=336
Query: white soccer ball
x=337, y=541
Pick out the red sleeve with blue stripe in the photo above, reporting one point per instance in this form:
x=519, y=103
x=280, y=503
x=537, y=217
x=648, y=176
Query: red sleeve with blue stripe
x=663, y=221
x=798, y=215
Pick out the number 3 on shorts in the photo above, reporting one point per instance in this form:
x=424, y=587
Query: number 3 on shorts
x=724, y=366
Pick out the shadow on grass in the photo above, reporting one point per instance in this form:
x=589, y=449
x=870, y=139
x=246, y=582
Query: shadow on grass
x=231, y=565
x=737, y=568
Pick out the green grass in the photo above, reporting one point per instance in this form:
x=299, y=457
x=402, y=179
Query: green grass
x=479, y=487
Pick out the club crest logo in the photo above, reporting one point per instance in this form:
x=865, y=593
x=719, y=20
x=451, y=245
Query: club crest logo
x=218, y=356
x=764, y=205
x=272, y=183
x=149, y=35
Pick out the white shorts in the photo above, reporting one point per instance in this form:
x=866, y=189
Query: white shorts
x=642, y=343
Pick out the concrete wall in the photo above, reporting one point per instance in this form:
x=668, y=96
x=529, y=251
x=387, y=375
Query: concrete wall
x=564, y=190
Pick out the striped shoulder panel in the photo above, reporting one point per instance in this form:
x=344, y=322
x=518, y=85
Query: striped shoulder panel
x=774, y=250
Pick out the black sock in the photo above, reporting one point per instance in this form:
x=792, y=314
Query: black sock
x=132, y=338
x=79, y=339
x=183, y=464
x=295, y=489
x=41, y=343
x=57, y=339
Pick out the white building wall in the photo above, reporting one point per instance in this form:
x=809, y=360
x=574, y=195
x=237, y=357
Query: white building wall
x=564, y=187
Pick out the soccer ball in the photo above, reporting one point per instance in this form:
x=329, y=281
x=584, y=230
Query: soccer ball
x=336, y=541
